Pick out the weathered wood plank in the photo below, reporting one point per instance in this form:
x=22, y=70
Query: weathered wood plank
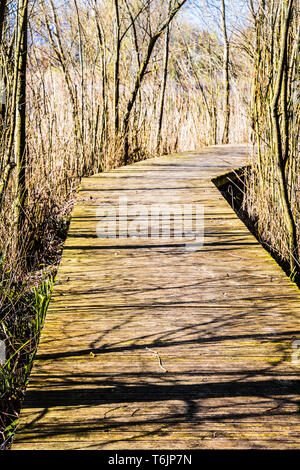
x=148, y=345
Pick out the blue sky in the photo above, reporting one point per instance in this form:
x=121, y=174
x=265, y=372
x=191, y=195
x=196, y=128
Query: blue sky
x=196, y=12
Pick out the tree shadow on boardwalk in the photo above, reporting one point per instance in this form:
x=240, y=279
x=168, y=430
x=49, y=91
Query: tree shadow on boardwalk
x=115, y=392
x=189, y=405
x=194, y=400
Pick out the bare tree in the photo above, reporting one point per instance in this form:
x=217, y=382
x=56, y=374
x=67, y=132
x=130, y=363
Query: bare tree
x=164, y=83
x=154, y=36
x=280, y=133
x=225, y=138
x=2, y=17
x=20, y=126
x=118, y=41
x=275, y=169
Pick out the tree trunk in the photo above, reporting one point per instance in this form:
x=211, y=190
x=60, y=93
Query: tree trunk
x=83, y=163
x=164, y=85
x=117, y=70
x=279, y=142
x=2, y=13
x=20, y=128
x=225, y=138
x=2, y=84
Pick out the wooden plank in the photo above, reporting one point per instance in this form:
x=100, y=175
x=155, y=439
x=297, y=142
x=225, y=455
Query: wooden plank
x=149, y=345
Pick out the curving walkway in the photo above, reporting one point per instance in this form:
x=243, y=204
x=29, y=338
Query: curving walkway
x=153, y=344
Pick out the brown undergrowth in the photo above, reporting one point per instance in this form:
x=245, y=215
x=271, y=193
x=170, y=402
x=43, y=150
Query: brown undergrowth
x=233, y=187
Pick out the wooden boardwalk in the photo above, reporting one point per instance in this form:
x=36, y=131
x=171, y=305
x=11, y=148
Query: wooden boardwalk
x=150, y=345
